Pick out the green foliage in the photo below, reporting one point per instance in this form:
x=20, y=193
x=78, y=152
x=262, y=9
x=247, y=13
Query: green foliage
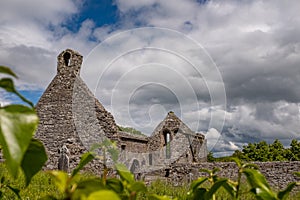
x=210, y=157
x=17, y=127
x=258, y=184
x=294, y=151
x=130, y=130
x=269, y=152
x=18, y=124
x=86, y=158
x=205, y=193
x=7, y=71
x=75, y=187
x=165, y=190
x=34, y=159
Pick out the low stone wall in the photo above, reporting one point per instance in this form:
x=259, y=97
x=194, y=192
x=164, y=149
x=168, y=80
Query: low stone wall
x=278, y=174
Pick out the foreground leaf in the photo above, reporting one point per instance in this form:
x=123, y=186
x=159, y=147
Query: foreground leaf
x=124, y=173
x=86, y=187
x=219, y=183
x=157, y=197
x=34, y=159
x=85, y=159
x=8, y=85
x=137, y=187
x=115, y=185
x=103, y=195
x=285, y=193
x=195, y=184
x=260, y=186
x=48, y=197
x=60, y=180
x=7, y=70
x=230, y=188
x=15, y=191
x=17, y=126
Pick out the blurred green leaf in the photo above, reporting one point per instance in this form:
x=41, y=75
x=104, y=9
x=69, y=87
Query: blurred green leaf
x=198, y=182
x=137, y=187
x=206, y=170
x=15, y=191
x=219, y=183
x=250, y=166
x=86, y=187
x=230, y=188
x=157, y=197
x=17, y=126
x=115, y=185
x=216, y=169
x=60, y=179
x=48, y=197
x=114, y=153
x=124, y=173
x=103, y=195
x=85, y=159
x=259, y=185
x=8, y=85
x=237, y=161
x=199, y=194
x=34, y=159
x=7, y=70
x=297, y=174
x=284, y=193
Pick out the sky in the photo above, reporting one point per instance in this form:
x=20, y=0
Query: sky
x=228, y=68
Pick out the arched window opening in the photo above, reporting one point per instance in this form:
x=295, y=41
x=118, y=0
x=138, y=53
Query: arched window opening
x=150, y=159
x=67, y=57
x=134, y=166
x=167, y=138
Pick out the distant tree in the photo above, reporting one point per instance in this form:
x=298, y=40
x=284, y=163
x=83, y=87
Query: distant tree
x=130, y=130
x=263, y=152
x=294, y=150
x=240, y=155
x=269, y=152
x=210, y=157
x=277, y=151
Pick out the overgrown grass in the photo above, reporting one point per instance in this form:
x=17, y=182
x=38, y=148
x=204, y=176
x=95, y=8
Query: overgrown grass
x=180, y=192
x=40, y=186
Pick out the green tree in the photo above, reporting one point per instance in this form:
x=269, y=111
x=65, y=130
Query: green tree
x=210, y=157
x=294, y=150
x=277, y=151
x=262, y=151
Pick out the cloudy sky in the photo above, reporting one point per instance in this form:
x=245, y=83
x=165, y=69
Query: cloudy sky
x=229, y=69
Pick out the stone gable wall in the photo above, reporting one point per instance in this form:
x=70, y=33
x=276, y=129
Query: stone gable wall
x=70, y=115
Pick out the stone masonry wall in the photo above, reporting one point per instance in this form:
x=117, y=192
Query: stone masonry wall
x=70, y=115
x=278, y=174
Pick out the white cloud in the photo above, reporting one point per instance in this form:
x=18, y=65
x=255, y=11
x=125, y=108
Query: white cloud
x=255, y=44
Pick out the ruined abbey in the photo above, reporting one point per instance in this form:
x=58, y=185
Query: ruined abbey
x=72, y=120
x=70, y=115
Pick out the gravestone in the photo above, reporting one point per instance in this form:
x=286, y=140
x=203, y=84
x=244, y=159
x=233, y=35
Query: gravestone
x=63, y=161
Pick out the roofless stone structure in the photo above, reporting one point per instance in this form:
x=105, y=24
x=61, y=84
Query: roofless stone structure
x=70, y=115
x=64, y=113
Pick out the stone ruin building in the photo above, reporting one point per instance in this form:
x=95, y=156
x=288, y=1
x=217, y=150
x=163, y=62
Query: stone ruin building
x=70, y=115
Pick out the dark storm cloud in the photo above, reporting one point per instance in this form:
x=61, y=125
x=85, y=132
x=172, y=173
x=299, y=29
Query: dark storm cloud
x=255, y=45
x=153, y=94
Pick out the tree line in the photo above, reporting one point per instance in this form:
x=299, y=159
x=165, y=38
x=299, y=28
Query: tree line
x=262, y=151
